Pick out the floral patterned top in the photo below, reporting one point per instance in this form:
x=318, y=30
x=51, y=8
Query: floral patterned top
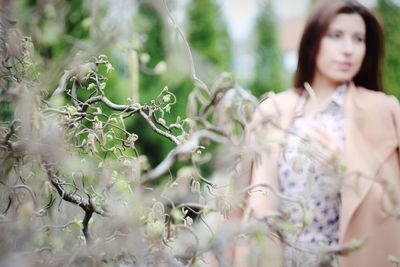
x=302, y=176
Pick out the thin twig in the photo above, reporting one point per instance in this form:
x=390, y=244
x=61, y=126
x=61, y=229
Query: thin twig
x=157, y=130
x=188, y=50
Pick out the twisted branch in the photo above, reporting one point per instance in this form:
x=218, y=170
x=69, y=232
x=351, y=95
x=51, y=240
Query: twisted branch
x=183, y=150
x=86, y=204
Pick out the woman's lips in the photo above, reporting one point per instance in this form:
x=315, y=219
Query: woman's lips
x=344, y=65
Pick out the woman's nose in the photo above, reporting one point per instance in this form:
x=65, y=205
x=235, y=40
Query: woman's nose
x=348, y=45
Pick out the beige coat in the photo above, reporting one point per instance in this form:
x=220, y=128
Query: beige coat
x=372, y=156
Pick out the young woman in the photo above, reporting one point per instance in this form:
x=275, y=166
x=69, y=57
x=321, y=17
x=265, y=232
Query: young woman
x=329, y=149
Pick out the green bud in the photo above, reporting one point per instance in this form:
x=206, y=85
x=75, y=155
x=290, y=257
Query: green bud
x=355, y=244
x=109, y=67
x=167, y=108
x=164, y=90
x=177, y=216
x=206, y=210
x=156, y=229
x=71, y=109
x=91, y=86
x=167, y=98
x=103, y=57
x=102, y=86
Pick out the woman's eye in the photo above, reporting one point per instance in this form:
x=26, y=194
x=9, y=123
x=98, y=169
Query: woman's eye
x=334, y=35
x=358, y=39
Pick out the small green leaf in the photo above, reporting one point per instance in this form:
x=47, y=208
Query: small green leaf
x=167, y=98
x=164, y=90
x=102, y=86
x=342, y=167
x=308, y=218
x=57, y=243
x=355, y=244
x=167, y=108
x=109, y=67
x=39, y=239
x=76, y=225
x=177, y=216
x=289, y=227
x=206, y=210
x=71, y=109
x=103, y=57
x=156, y=229
x=91, y=86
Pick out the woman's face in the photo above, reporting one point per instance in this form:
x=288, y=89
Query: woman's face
x=342, y=49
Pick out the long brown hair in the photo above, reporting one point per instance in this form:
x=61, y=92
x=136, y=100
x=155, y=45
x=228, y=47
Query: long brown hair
x=370, y=74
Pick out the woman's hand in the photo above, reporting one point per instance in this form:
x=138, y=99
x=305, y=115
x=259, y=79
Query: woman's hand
x=329, y=151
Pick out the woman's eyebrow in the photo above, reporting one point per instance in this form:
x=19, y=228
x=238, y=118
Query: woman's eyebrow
x=341, y=30
x=331, y=28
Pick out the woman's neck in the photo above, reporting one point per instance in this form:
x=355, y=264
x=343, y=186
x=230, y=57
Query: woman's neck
x=324, y=88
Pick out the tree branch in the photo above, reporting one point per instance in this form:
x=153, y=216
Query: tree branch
x=86, y=205
x=157, y=130
x=186, y=149
x=105, y=100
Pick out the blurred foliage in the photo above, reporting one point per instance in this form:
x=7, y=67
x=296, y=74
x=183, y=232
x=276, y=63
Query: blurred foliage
x=76, y=186
x=208, y=34
x=269, y=73
x=389, y=13
x=151, y=29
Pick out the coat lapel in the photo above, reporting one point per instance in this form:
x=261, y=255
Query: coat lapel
x=362, y=158
x=354, y=187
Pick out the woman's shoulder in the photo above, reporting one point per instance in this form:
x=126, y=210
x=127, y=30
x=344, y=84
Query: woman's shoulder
x=375, y=99
x=276, y=103
x=373, y=95
x=273, y=107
